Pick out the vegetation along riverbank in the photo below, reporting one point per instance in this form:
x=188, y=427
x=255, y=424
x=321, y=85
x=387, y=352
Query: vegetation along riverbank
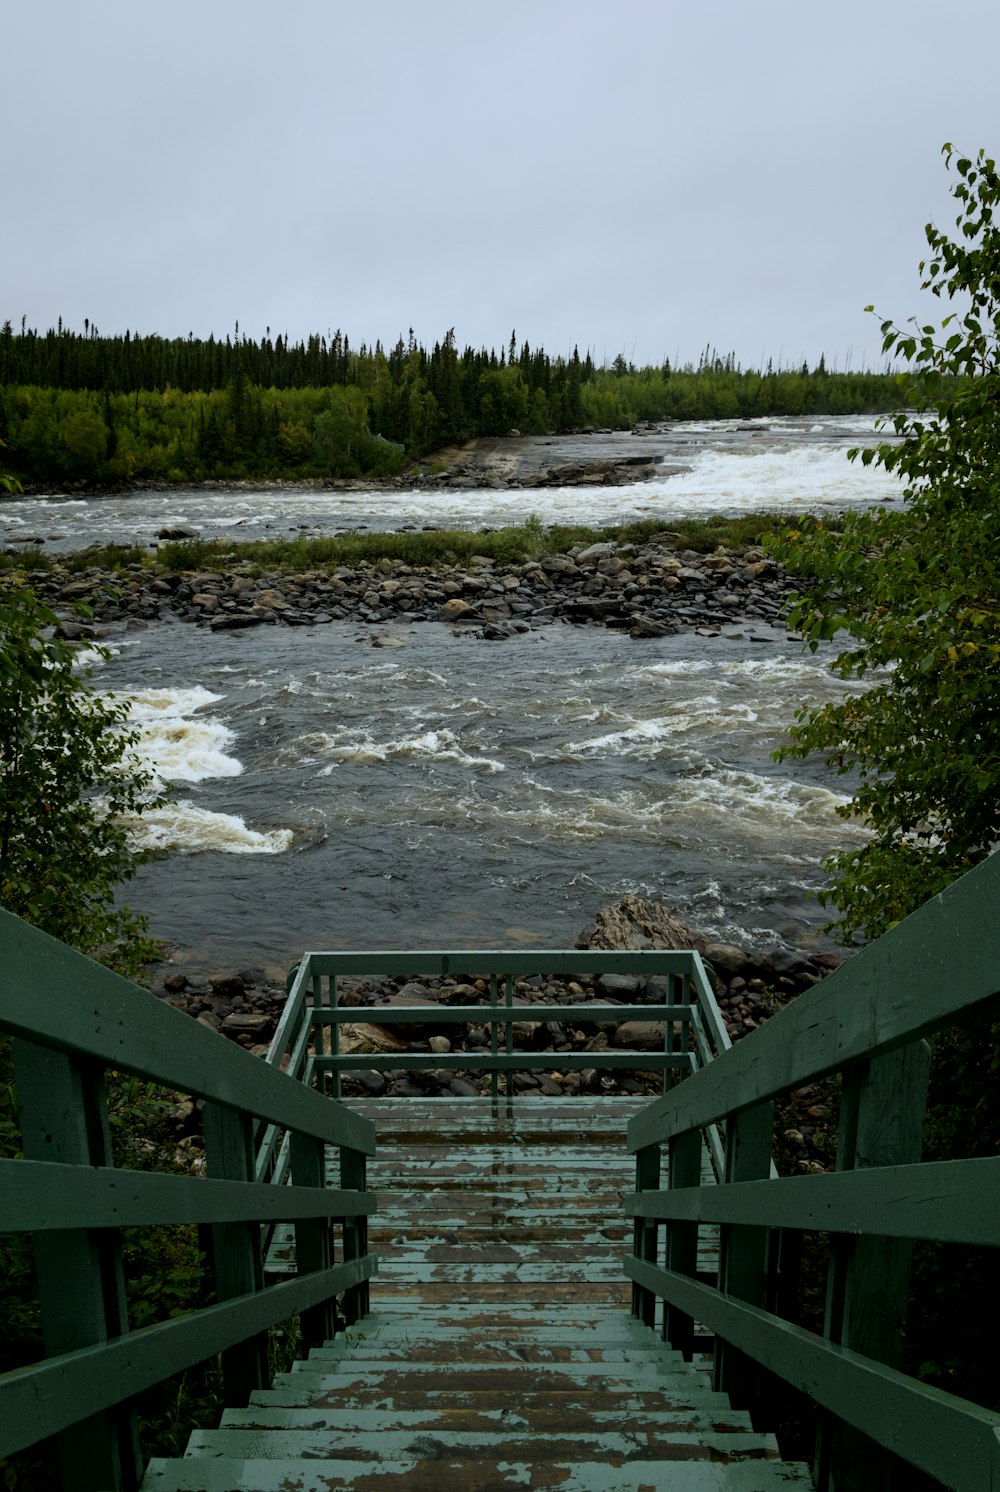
x=114, y=412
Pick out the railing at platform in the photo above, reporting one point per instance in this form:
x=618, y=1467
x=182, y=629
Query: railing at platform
x=307, y=1042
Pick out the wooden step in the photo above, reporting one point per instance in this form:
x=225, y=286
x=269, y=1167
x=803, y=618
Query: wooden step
x=437, y=1469
x=499, y=1351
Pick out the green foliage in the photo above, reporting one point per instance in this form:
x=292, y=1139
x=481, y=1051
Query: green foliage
x=121, y=410
x=68, y=784
x=916, y=591
x=8, y=484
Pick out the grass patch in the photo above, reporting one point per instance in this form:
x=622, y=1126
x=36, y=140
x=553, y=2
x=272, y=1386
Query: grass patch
x=428, y=549
x=439, y=547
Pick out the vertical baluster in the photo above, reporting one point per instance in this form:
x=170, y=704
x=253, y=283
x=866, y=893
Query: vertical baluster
x=881, y=1124
x=236, y=1246
x=647, y=1178
x=353, y=1177
x=509, y=1034
x=743, y=1248
x=684, y=1169
x=335, y=1031
x=313, y=1240
x=63, y=1117
x=335, y=1037
x=669, y=1042
x=322, y=1040
x=494, y=1076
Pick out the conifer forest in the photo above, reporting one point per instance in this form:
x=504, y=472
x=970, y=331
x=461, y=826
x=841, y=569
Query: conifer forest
x=82, y=408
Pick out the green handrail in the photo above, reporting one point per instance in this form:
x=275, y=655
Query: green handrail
x=70, y=1020
x=865, y=1022
x=694, y=1030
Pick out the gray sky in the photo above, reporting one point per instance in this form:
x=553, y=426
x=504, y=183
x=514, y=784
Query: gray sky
x=636, y=176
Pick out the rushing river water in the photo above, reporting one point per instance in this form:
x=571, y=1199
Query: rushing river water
x=448, y=791
x=416, y=786
x=709, y=467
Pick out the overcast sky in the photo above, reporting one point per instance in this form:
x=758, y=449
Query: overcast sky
x=635, y=176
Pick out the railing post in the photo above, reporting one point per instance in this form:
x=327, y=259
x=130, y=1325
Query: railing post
x=743, y=1271
x=313, y=1239
x=647, y=1178
x=882, y=1118
x=494, y=1076
x=508, y=999
x=63, y=1117
x=334, y=996
x=682, y=1238
x=673, y=1041
x=229, y=1153
x=353, y=1177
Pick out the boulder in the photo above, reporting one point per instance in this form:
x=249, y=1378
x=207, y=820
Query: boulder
x=178, y=531
x=726, y=959
x=639, y=1036
x=638, y=923
x=365, y=1038
x=249, y=1023
x=456, y=610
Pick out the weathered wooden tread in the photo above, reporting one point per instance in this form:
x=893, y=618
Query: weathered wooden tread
x=533, y=1411
x=633, y=1398
x=442, y=1470
x=647, y=1442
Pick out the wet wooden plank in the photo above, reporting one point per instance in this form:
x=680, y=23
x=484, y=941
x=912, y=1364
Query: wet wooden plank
x=438, y=1468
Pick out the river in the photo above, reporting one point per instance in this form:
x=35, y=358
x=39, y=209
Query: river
x=416, y=786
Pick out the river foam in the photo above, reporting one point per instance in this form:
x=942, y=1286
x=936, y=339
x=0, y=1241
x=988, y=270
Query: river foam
x=178, y=741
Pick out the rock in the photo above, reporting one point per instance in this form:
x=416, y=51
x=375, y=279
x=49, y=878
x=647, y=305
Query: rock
x=248, y=1023
x=787, y=964
x=457, y=610
x=226, y=987
x=619, y=986
x=372, y=1082
x=559, y=564
x=271, y=600
x=74, y=631
x=462, y=1088
x=640, y=1036
x=411, y=993
x=178, y=531
x=638, y=923
x=726, y=958
x=232, y=622
x=365, y=1038
x=647, y=626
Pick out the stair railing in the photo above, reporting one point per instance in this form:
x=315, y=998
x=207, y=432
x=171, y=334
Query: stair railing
x=308, y=1036
x=70, y=1021
x=866, y=1022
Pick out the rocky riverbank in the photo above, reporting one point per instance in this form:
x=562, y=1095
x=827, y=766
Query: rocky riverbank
x=751, y=986
x=648, y=590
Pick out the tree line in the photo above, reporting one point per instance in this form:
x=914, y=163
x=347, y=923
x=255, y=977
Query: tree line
x=127, y=408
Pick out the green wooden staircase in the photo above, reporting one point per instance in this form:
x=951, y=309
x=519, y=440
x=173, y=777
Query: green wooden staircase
x=536, y=1290
x=500, y=1351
